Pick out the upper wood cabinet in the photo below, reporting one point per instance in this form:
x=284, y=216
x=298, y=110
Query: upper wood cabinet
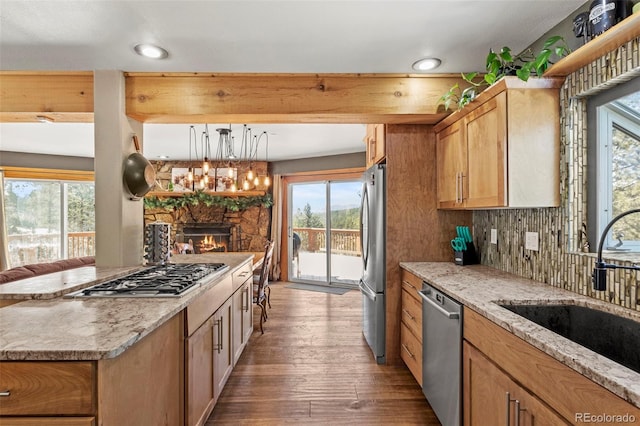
x=375, y=144
x=503, y=149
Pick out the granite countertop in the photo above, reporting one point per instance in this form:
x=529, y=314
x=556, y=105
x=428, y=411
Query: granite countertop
x=479, y=287
x=56, y=284
x=93, y=328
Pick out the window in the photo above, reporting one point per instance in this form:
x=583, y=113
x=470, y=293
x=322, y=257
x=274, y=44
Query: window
x=48, y=220
x=617, y=168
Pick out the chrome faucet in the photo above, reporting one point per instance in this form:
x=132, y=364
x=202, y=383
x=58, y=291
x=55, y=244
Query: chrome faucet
x=599, y=275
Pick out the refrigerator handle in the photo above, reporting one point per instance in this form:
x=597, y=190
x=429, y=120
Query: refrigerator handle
x=365, y=199
x=367, y=291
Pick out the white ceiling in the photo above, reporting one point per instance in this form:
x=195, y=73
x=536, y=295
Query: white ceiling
x=301, y=36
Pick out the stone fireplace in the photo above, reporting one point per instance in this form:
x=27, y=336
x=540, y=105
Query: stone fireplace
x=224, y=229
x=206, y=237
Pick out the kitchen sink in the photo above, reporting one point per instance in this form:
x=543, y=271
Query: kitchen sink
x=609, y=335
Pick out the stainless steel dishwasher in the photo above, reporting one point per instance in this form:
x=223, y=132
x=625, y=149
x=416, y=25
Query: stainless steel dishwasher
x=441, y=354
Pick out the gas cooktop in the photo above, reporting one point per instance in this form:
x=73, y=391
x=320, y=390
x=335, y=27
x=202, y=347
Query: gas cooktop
x=170, y=280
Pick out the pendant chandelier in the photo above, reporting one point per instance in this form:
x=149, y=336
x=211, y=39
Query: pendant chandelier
x=227, y=162
x=249, y=154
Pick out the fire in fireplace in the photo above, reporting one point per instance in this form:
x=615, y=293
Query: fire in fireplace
x=199, y=238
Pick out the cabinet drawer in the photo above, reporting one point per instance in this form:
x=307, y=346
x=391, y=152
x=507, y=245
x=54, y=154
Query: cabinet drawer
x=411, y=352
x=204, y=306
x=47, y=388
x=48, y=421
x=412, y=313
x=411, y=283
x=241, y=275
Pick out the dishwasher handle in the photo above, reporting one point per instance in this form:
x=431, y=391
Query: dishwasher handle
x=450, y=315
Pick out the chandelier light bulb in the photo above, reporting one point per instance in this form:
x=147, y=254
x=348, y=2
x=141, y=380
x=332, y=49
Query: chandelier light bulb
x=267, y=181
x=250, y=174
x=230, y=172
x=206, y=178
x=190, y=175
x=245, y=185
x=234, y=188
x=205, y=166
x=256, y=181
x=201, y=183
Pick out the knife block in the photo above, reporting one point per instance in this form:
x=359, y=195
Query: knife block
x=466, y=257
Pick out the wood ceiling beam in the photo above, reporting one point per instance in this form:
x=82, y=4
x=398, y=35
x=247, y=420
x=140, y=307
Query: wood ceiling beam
x=286, y=98
x=234, y=98
x=59, y=96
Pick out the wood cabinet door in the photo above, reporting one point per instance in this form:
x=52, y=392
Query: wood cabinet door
x=222, y=349
x=47, y=421
x=242, y=319
x=491, y=397
x=47, y=388
x=485, y=183
x=237, y=308
x=199, y=389
x=375, y=143
x=380, y=151
x=247, y=311
x=484, y=389
x=451, y=154
x=370, y=142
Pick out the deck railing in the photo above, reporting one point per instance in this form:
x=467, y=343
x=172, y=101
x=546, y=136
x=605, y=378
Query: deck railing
x=343, y=241
x=37, y=248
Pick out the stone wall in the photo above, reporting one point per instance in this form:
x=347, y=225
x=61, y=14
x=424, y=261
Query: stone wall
x=560, y=261
x=252, y=226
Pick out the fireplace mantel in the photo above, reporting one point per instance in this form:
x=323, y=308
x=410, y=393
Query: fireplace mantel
x=159, y=194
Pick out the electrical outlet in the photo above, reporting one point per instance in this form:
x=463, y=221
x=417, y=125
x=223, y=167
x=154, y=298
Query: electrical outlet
x=531, y=241
x=494, y=236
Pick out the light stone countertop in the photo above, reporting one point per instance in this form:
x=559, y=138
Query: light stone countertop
x=65, y=329
x=56, y=284
x=479, y=287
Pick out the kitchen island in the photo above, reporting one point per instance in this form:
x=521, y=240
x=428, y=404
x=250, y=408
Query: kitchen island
x=115, y=360
x=482, y=289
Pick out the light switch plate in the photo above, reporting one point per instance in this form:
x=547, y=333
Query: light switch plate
x=494, y=236
x=531, y=241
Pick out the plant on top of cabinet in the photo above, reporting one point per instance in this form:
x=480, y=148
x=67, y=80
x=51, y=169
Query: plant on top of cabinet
x=503, y=63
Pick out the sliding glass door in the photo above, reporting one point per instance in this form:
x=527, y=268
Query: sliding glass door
x=324, y=232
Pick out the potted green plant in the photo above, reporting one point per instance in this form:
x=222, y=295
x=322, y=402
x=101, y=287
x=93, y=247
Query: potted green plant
x=503, y=63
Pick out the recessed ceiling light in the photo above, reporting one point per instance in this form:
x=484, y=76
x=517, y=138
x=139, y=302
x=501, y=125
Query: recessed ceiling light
x=163, y=157
x=151, y=51
x=426, y=64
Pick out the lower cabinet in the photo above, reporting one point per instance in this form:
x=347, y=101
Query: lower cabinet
x=222, y=348
x=507, y=381
x=411, y=325
x=143, y=385
x=242, y=318
x=492, y=398
x=47, y=388
x=48, y=421
x=213, y=348
x=199, y=363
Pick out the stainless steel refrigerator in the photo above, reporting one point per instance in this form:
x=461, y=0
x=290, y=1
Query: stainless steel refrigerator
x=372, y=237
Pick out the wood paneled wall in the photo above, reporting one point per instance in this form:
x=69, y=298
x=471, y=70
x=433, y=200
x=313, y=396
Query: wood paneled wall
x=416, y=230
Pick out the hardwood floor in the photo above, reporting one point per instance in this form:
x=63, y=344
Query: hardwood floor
x=313, y=366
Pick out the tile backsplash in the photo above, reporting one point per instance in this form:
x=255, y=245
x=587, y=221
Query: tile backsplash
x=560, y=261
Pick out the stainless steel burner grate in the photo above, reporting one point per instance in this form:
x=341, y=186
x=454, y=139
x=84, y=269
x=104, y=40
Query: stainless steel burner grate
x=170, y=280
